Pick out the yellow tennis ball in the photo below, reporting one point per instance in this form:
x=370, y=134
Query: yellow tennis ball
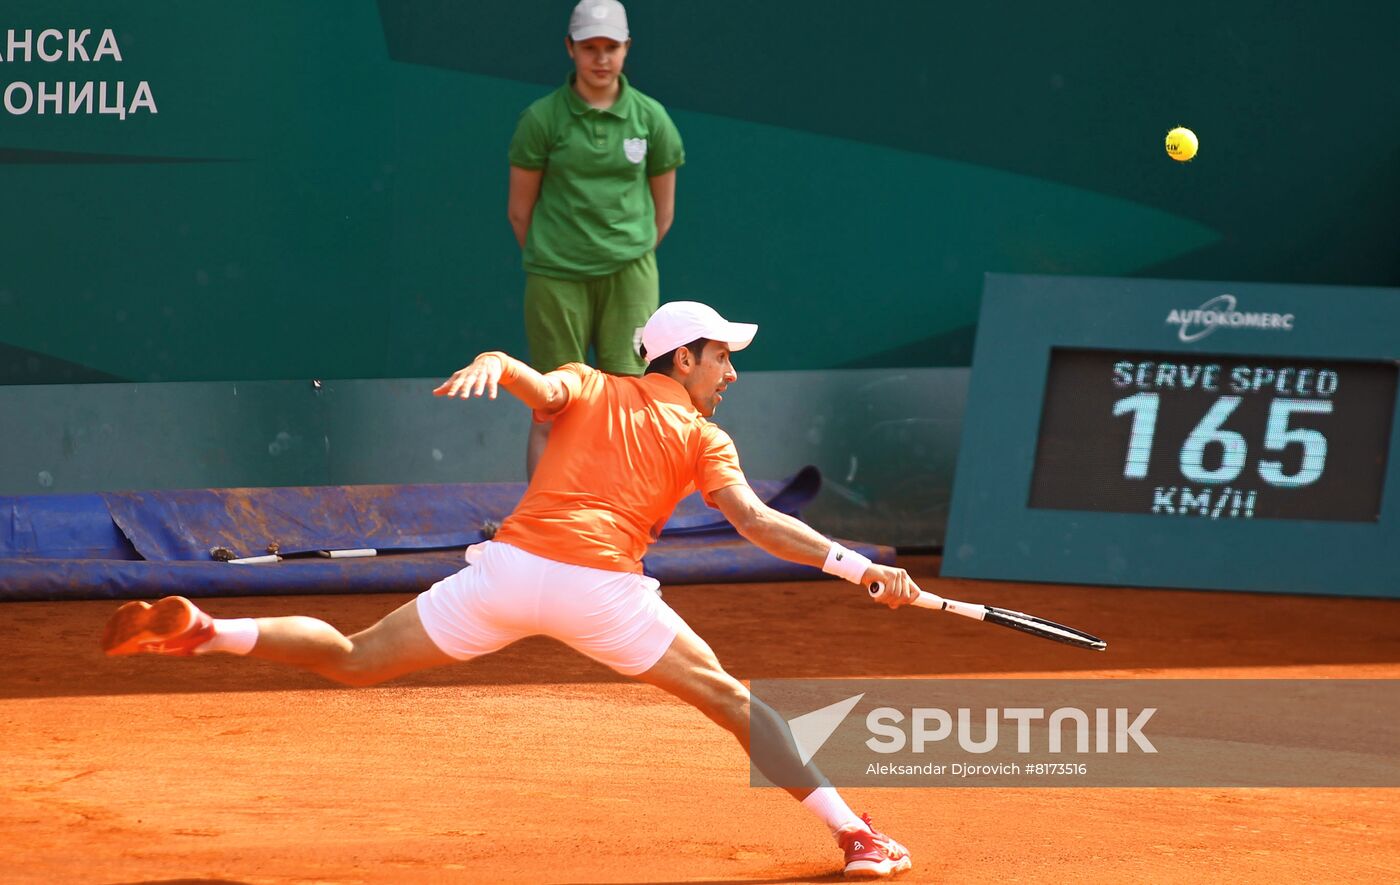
x=1182, y=144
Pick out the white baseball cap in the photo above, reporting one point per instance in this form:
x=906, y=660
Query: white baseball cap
x=677, y=323
x=598, y=18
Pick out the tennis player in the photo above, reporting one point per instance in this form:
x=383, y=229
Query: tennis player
x=567, y=562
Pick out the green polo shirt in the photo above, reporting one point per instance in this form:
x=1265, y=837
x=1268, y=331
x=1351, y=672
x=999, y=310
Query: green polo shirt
x=595, y=213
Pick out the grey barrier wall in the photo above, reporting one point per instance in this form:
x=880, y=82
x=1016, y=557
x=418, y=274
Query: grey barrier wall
x=885, y=440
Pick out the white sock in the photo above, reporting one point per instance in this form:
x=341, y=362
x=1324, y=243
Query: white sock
x=235, y=636
x=828, y=805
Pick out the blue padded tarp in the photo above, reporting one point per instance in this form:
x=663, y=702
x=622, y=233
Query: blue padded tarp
x=184, y=525
x=61, y=527
x=145, y=544
x=41, y=579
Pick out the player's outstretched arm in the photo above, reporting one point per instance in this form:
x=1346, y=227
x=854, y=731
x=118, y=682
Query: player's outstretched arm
x=792, y=539
x=493, y=370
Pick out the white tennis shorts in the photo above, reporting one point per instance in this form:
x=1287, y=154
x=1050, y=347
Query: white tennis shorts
x=616, y=618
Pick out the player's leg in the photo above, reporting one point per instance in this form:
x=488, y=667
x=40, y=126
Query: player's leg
x=622, y=304
x=690, y=671
x=447, y=623
x=558, y=321
x=617, y=619
x=396, y=645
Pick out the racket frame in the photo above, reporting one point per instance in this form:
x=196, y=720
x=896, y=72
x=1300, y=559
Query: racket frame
x=1005, y=617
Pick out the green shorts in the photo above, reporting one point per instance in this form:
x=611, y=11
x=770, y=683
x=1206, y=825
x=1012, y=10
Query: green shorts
x=564, y=317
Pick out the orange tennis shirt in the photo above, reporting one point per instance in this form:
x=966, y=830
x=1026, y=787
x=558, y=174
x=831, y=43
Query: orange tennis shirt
x=623, y=452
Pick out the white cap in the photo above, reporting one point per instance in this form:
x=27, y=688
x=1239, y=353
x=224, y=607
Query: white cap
x=677, y=323
x=598, y=18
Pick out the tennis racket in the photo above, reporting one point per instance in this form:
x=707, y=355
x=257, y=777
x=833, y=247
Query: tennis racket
x=1007, y=618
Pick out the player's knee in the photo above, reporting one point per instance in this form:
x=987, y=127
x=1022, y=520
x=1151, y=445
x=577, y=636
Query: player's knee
x=358, y=669
x=727, y=697
x=355, y=678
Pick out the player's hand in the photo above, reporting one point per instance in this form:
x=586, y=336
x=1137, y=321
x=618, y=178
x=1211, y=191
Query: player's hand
x=896, y=587
x=483, y=376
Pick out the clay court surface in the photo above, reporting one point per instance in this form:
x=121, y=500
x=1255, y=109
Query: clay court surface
x=536, y=765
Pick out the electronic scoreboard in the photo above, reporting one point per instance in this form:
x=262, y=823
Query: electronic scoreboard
x=1181, y=434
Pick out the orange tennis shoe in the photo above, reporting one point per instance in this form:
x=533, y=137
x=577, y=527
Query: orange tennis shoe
x=872, y=855
x=173, y=626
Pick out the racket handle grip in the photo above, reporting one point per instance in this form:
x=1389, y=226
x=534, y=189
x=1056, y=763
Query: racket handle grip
x=925, y=599
x=930, y=600
x=934, y=601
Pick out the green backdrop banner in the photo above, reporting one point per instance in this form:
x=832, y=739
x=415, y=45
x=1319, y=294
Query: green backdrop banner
x=272, y=190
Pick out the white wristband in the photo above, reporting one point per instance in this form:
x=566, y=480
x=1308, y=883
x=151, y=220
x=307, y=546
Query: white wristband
x=845, y=563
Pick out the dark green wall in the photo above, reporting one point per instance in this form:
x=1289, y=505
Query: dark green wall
x=321, y=194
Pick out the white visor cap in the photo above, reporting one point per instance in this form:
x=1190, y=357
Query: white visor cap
x=677, y=323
